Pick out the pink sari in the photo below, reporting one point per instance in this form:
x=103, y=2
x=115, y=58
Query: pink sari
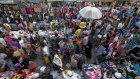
x=8, y=39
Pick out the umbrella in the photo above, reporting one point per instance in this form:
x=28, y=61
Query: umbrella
x=90, y=12
x=83, y=24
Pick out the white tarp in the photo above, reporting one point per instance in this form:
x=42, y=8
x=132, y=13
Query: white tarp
x=6, y=0
x=70, y=0
x=54, y=0
x=9, y=1
x=87, y=0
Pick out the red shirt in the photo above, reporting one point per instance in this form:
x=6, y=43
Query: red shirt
x=55, y=10
x=65, y=10
x=70, y=14
x=120, y=49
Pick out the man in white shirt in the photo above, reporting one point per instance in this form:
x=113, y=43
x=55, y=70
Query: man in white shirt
x=120, y=25
x=46, y=51
x=21, y=42
x=108, y=27
x=2, y=41
x=2, y=56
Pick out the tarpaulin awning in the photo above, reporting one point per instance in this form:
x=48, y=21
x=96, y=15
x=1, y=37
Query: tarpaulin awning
x=33, y=1
x=106, y=0
x=69, y=0
x=9, y=1
x=87, y=0
x=54, y=0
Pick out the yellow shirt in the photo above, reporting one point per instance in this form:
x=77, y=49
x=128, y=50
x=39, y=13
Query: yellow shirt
x=78, y=32
x=46, y=59
x=7, y=28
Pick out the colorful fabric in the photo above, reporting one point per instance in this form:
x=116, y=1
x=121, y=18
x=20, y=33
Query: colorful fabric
x=30, y=10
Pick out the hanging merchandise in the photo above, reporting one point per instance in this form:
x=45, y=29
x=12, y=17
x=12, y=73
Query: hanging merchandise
x=55, y=10
x=30, y=10
x=35, y=9
x=25, y=11
x=65, y=10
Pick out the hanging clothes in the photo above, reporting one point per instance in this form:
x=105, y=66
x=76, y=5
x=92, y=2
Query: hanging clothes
x=55, y=10
x=65, y=10
x=25, y=11
x=39, y=9
x=30, y=10
x=35, y=9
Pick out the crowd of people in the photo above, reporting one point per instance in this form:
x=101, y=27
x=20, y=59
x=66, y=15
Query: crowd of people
x=61, y=38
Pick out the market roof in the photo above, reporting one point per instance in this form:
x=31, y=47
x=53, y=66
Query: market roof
x=33, y=1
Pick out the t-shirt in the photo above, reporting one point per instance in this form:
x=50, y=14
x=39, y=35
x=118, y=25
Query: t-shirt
x=78, y=32
x=2, y=56
x=46, y=51
x=2, y=41
x=21, y=42
x=120, y=26
x=100, y=50
x=61, y=44
x=14, y=27
x=108, y=27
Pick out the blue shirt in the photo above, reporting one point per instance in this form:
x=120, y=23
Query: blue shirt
x=9, y=64
x=69, y=31
x=100, y=50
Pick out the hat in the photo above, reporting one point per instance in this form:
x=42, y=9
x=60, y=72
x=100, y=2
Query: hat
x=68, y=74
x=118, y=75
x=82, y=25
x=42, y=69
x=57, y=60
x=113, y=65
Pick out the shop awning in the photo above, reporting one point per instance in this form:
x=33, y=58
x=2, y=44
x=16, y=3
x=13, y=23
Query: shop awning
x=88, y=0
x=33, y=1
x=54, y=0
x=69, y=0
x=106, y=0
x=9, y=1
